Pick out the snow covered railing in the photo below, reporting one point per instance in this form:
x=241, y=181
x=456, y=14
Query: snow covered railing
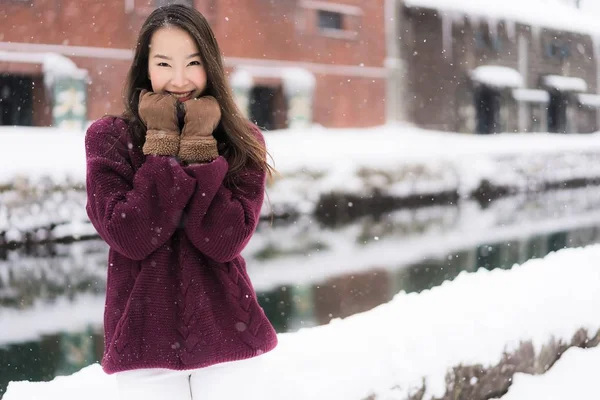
x=417, y=343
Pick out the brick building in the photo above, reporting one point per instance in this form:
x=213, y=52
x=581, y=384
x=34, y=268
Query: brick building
x=288, y=61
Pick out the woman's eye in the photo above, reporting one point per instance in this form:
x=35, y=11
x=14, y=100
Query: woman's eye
x=195, y=63
x=162, y=64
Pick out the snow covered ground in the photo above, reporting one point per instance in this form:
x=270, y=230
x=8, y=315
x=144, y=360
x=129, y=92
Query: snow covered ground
x=389, y=350
x=395, y=160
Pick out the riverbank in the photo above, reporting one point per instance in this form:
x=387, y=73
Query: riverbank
x=335, y=175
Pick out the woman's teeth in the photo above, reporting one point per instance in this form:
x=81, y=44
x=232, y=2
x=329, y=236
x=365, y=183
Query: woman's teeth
x=181, y=95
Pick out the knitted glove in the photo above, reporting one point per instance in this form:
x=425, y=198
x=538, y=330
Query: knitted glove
x=202, y=116
x=159, y=112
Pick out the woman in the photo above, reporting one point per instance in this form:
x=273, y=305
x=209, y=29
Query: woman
x=175, y=188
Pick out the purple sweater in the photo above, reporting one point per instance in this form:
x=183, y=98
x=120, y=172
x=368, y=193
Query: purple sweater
x=178, y=295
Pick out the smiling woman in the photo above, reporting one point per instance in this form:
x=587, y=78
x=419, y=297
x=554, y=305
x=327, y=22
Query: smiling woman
x=175, y=188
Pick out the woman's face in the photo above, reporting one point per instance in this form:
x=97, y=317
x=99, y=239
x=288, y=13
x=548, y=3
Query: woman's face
x=175, y=65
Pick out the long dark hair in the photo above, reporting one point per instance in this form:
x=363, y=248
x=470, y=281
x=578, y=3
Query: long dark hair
x=234, y=132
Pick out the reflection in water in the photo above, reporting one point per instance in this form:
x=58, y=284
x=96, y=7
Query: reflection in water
x=305, y=274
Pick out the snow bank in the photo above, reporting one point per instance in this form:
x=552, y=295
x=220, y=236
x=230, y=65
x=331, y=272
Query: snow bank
x=394, y=160
x=399, y=161
x=390, y=349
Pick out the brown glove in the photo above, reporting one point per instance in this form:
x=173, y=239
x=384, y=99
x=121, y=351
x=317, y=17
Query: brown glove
x=202, y=116
x=159, y=112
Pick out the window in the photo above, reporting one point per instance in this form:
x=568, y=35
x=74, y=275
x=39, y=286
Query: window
x=330, y=20
x=161, y=3
x=484, y=39
x=557, y=49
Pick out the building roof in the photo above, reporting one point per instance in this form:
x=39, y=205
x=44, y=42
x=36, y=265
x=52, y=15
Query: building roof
x=552, y=14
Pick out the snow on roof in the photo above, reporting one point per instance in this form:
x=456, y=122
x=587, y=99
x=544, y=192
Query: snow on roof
x=531, y=95
x=537, y=13
x=590, y=100
x=497, y=76
x=295, y=79
x=298, y=80
x=241, y=79
x=53, y=65
x=565, y=83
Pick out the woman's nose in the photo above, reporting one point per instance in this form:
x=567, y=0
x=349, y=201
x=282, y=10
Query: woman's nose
x=179, y=78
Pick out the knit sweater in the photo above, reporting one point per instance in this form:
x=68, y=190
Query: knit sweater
x=178, y=295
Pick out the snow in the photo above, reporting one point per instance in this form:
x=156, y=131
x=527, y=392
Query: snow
x=396, y=160
x=590, y=100
x=294, y=79
x=552, y=14
x=53, y=65
x=565, y=83
x=390, y=350
x=574, y=376
x=400, y=160
x=531, y=95
x=241, y=79
x=497, y=76
x=63, y=315
x=298, y=80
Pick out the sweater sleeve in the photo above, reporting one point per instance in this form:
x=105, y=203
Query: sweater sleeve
x=219, y=221
x=134, y=212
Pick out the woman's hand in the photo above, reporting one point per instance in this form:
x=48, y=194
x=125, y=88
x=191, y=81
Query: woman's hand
x=159, y=112
x=202, y=116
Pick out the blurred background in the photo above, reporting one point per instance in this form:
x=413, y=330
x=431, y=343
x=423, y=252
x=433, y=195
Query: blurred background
x=376, y=113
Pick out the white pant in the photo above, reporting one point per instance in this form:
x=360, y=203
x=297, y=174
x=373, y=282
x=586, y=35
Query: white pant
x=231, y=380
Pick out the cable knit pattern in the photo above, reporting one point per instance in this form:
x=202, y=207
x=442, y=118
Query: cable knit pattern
x=178, y=294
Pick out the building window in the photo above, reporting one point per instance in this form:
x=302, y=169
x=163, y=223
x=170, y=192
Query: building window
x=161, y=3
x=557, y=49
x=330, y=20
x=484, y=39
